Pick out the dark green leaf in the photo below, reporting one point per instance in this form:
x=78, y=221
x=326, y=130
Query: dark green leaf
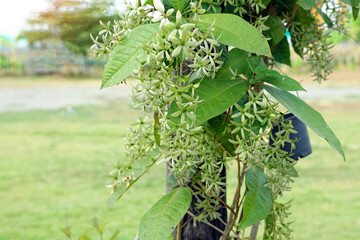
x=255, y=63
x=281, y=53
x=236, y=62
x=297, y=50
x=276, y=29
x=257, y=203
x=230, y=30
x=355, y=8
x=306, y=4
x=355, y=12
x=177, y=5
x=162, y=218
x=217, y=96
x=306, y=114
x=123, y=59
x=280, y=81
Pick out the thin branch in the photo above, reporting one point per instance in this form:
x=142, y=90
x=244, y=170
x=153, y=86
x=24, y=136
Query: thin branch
x=293, y=14
x=235, y=206
x=179, y=230
x=224, y=149
x=227, y=116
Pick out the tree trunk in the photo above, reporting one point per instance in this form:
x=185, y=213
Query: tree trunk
x=199, y=230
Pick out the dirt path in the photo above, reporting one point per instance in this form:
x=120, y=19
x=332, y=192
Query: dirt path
x=55, y=97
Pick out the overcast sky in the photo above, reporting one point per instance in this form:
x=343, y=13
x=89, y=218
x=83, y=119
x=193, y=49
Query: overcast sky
x=13, y=14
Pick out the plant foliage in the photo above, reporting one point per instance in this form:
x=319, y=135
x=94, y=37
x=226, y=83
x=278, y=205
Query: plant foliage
x=204, y=74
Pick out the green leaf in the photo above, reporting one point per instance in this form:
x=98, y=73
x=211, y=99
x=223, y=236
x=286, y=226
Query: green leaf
x=298, y=51
x=281, y=53
x=255, y=63
x=177, y=5
x=276, y=29
x=162, y=218
x=123, y=59
x=355, y=4
x=306, y=114
x=217, y=96
x=280, y=81
x=139, y=171
x=257, y=203
x=236, y=62
x=306, y=4
x=234, y=31
x=355, y=12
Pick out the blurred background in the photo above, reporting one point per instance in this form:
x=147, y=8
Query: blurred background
x=59, y=134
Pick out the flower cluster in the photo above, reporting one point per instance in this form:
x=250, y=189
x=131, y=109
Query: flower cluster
x=167, y=78
x=338, y=14
x=277, y=225
x=313, y=43
x=252, y=121
x=112, y=33
x=172, y=67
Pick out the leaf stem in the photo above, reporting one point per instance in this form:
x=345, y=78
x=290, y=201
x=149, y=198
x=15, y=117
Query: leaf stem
x=179, y=230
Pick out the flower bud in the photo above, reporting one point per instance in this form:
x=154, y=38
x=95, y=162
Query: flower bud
x=178, y=18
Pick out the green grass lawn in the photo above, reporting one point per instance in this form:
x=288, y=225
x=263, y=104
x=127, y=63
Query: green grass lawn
x=53, y=167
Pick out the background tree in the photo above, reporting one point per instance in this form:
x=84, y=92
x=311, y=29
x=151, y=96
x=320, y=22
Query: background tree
x=71, y=22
